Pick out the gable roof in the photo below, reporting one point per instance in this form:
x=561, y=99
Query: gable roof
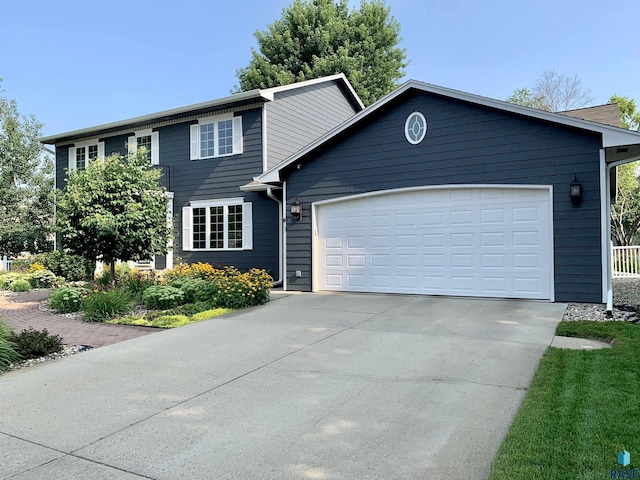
x=611, y=136
x=235, y=100
x=609, y=114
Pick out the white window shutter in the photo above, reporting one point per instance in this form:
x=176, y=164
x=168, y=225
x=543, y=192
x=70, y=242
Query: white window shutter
x=187, y=239
x=237, y=135
x=100, y=149
x=132, y=144
x=72, y=159
x=247, y=226
x=195, y=142
x=155, y=146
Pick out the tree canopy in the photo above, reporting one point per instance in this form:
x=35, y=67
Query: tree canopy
x=26, y=184
x=553, y=92
x=113, y=210
x=315, y=38
x=625, y=213
x=629, y=115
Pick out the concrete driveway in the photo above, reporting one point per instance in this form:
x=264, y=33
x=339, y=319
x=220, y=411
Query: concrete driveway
x=310, y=386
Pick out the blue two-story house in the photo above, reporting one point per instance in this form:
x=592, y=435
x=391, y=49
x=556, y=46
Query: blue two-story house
x=207, y=151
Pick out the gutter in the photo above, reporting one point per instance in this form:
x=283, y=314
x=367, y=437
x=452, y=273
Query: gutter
x=270, y=194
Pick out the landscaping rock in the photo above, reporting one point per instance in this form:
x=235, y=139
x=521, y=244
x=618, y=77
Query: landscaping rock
x=67, y=351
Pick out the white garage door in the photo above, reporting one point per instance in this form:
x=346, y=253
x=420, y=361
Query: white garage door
x=480, y=241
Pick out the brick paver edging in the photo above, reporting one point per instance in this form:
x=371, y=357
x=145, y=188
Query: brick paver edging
x=21, y=312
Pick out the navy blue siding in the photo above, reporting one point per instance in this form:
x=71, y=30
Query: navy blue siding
x=465, y=144
x=214, y=178
x=217, y=178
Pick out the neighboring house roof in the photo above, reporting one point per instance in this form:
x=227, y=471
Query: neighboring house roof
x=611, y=136
x=609, y=114
x=235, y=100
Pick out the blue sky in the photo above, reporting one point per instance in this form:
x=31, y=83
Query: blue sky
x=80, y=63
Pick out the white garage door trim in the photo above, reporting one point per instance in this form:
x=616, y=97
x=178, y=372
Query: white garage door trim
x=316, y=260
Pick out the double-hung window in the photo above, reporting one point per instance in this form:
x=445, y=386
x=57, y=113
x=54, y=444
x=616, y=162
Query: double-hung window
x=217, y=136
x=83, y=153
x=148, y=139
x=224, y=224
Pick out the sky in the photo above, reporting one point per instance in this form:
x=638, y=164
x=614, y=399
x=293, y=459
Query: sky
x=81, y=63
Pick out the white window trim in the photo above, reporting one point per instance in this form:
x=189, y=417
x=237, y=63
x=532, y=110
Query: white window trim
x=247, y=224
x=72, y=152
x=194, y=133
x=132, y=144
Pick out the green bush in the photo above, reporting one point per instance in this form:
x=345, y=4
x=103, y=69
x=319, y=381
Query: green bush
x=21, y=265
x=19, y=285
x=35, y=343
x=67, y=299
x=170, y=321
x=42, y=279
x=99, y=306
x=136, y=282
x=8, y=277
x=160, y=297
x=72, y=267
x=104, y=276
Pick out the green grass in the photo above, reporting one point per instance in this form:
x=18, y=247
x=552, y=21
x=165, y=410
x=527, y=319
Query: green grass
x=581, y=409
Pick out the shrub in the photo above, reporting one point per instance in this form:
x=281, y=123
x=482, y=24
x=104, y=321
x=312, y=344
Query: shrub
x=67, y=299
x=19, y=285
x=98, y=306
x=35, y=343
x=137, y=282
x=21, y=265
x=42, y=278
x=170, y=321
x=8, y=277
x=72, y=267
x=161, y=297
x=122, y=272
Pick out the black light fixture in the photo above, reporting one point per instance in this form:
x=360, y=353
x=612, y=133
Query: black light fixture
x=575, y=191
x=296, y=209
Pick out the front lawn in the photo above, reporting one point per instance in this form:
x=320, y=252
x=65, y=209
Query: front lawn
x=583, y=407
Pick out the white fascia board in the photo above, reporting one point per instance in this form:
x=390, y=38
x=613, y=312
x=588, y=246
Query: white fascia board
x=315, y=81
x=611, y=136
x=251, y=94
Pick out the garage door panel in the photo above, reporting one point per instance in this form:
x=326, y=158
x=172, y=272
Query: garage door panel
x=464, y=241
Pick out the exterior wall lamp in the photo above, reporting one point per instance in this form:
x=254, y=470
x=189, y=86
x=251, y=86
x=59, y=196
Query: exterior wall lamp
x=296, y=210
x=575, y=191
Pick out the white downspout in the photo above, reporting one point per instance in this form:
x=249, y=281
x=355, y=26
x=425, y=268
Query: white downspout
x=606, y=244
x=270, y=194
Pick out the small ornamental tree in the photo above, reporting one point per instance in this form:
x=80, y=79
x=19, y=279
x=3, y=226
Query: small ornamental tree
x=113, y=210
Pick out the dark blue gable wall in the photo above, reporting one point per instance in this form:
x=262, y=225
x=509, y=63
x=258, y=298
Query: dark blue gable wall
x=465, y=144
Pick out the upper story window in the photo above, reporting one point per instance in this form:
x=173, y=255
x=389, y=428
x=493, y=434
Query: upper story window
x=83, y=153
x=224, y=224
x=217, y=136
x=148, y=139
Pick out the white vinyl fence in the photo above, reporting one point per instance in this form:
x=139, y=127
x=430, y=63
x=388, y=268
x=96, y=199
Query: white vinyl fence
x=626, y=261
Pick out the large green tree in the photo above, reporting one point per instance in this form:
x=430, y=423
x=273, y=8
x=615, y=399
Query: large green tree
x=315, y=38
x=625, y=213
x=113, y=210
x=26, y=184
x=553, y=92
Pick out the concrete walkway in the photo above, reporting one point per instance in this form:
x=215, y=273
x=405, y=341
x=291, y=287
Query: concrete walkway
x=309, y=386
x=21, y=312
